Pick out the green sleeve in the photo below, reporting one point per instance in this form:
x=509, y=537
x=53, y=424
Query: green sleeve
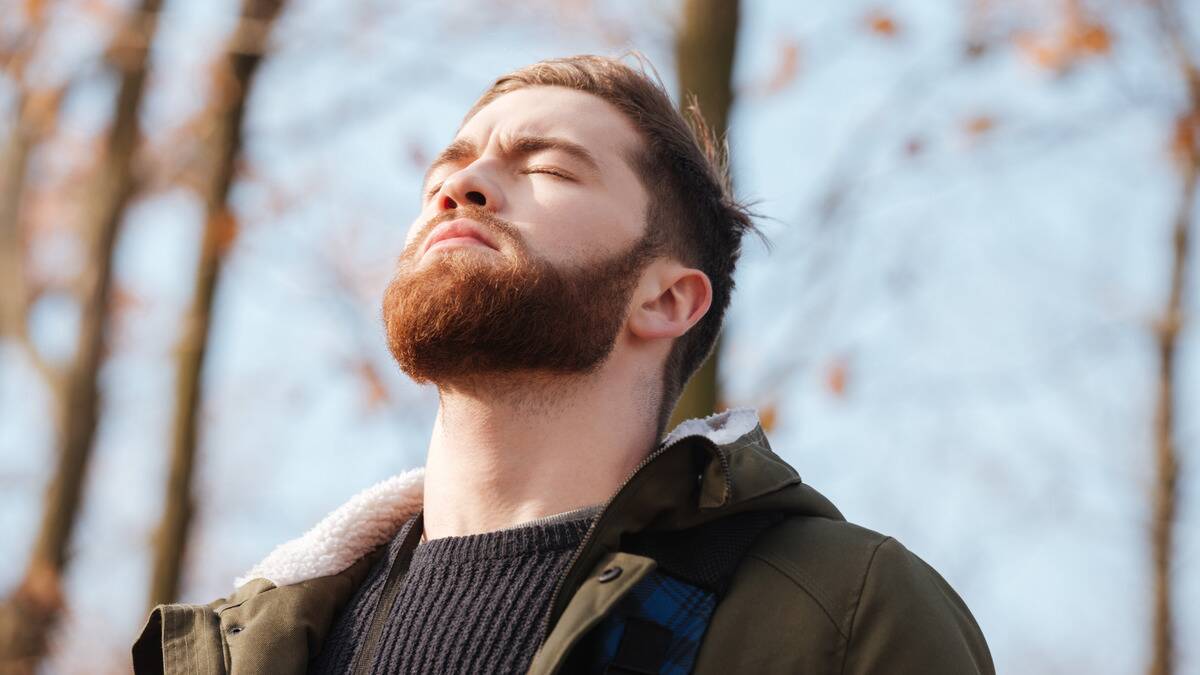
x=180, y=639
x=909, y=620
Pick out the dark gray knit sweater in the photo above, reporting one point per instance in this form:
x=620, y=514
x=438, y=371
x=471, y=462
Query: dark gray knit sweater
x=470, y=604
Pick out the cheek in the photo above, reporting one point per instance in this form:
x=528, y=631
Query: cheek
x=607, y=227
x=580, y=240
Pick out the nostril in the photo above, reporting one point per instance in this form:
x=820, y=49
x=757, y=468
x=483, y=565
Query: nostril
x=448, y=203
x=477, y=198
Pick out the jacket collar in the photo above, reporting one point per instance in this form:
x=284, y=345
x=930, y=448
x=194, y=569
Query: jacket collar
x=735, y=466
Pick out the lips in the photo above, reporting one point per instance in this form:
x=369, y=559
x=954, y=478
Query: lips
x=459, y=228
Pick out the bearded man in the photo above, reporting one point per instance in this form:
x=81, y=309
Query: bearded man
x=568, y=272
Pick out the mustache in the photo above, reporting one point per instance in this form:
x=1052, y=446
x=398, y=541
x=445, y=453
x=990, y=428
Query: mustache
x=500, y=229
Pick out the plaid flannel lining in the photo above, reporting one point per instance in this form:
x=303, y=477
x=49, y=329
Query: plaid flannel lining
x=679, y=607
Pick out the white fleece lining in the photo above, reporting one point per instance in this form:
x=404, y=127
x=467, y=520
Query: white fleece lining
x=370, y=518
x=374, y=515
x=722, y=428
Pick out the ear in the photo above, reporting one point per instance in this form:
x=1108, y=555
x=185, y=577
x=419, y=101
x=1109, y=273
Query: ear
x=670, y=299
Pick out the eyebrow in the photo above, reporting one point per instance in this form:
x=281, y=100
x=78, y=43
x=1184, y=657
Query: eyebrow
x=464, y=149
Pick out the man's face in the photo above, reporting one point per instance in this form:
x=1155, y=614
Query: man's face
x=530, y=237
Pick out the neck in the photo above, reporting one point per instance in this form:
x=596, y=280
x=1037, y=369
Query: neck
x=506, y=451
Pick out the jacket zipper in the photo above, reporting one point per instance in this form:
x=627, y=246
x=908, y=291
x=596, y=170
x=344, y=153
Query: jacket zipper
x=391, y=588
x=553, y=613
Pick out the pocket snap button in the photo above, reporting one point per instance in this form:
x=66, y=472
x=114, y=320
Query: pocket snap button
x=609, y=574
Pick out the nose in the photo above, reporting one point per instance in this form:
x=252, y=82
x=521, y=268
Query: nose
x=469, y=186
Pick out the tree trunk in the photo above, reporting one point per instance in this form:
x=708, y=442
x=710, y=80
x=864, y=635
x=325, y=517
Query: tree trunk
x=704, y=51
x=29, y=614
x=1166, y=456
x=1164, y=502
x=12, y=246
x=245, y=54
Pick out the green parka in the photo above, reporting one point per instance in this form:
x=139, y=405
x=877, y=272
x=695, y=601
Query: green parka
x=813, y=593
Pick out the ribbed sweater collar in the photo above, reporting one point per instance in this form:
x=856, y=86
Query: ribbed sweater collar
x=551, y=533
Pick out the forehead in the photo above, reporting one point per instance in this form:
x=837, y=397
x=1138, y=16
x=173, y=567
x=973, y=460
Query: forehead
x=559, y=112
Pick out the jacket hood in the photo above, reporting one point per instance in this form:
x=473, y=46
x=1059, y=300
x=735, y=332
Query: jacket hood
x=727, y=454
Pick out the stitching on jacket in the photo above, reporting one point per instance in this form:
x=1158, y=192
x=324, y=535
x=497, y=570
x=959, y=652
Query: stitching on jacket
x=858, y=603
x=186, y=646
x=808, y=585
x=220, y=611
x=197, y=645
x=226, y=649
x=206, y=637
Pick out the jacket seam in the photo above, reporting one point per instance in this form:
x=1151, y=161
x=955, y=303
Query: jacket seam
x=221, y=609
x=208, y=652
x=862, y=587
x=804, y=587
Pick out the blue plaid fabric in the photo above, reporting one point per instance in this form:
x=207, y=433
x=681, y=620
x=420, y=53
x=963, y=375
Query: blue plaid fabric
x=679, y=607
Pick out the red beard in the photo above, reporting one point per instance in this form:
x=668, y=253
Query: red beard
x=461, y=315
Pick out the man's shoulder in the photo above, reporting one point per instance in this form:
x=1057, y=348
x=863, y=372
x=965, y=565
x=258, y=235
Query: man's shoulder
x=851, y=586
x=837, y=563
x=825, y=558
x=824, y=546
x=833, y=560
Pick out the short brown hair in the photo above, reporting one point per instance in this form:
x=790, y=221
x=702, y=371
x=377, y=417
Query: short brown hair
x=692, y=212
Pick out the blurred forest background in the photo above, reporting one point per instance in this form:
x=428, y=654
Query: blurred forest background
x=975, y=329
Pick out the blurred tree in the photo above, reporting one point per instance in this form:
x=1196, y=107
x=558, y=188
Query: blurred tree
x=22, y=129
x=1186, y=150
x=234, y=77
x=29, y=613
x=704, y=50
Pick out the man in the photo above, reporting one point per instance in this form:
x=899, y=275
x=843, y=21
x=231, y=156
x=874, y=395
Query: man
x=568, y=272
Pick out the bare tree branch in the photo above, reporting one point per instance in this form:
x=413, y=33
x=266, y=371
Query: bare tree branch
x=245, y=51
x=1169, y=326
x=29, y=615
x=704, y=49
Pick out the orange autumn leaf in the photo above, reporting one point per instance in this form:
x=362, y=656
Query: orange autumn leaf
x=376, y=390
x=1076, y=37
x=1093, y=39
x=35, y=10
x=1050, y=58
x=882, y=24
x=767, y=416
x=836, y=376
x=786, y=69
x=1040, y=52
x=979, y=125
x=1082, y=34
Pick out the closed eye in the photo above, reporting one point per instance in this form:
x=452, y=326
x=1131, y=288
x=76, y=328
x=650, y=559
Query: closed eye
x=546, y=169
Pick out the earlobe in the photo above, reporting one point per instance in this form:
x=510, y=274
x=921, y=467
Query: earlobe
x=674, y=301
